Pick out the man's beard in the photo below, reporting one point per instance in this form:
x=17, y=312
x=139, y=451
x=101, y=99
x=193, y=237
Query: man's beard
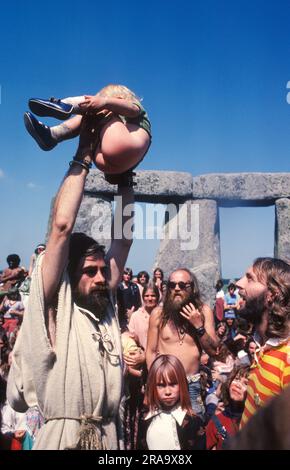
x=172, y=307
x=96, y=302
x=254, y=309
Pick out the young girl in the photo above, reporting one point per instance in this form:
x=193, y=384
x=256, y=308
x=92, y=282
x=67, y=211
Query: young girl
x=122, y=126
x=226, y=423
x=171, y=423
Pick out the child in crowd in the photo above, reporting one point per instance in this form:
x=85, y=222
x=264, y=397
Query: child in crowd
x=225, y=424
x=222, y=331
x=222, y=363
x=123, y=130
x=13, y=310
x=131, y=348
x=170, y=423
x=134, y=362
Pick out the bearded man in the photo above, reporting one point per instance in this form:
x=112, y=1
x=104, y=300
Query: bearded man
x=13, y=274
x=184, y=326
x=265, y=289
x=67, y=358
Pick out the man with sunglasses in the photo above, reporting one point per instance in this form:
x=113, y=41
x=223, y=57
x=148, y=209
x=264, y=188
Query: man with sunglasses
x=184, y=326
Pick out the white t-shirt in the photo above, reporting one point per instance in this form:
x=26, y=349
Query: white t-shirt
x=11, y=420
x=220, y=294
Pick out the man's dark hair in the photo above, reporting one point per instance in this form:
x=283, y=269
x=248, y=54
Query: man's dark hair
x=128, y=271
x=82, y=246
x=143, y=273
x=219, y=285
x=13, y=257
x=14, y=294
x=158, y=270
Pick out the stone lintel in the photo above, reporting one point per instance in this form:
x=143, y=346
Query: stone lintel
x=264, y=187
x=152, y=186
x=228, y=189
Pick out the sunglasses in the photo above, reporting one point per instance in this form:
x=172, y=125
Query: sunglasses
x=181, y=285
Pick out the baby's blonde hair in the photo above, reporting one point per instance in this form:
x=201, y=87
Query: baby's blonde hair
x=119, y=91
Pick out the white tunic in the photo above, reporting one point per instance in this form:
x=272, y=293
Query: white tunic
x=81, y=376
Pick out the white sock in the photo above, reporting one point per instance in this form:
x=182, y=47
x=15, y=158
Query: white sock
x=63, y=132
x=75, y=101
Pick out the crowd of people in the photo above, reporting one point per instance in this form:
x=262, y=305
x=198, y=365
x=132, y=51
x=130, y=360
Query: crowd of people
x=187, y=370
x=95, y=358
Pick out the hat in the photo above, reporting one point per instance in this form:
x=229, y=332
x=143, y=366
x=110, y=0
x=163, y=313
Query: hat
x=41, y=245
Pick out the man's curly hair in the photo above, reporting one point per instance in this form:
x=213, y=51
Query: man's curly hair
x=275, y=274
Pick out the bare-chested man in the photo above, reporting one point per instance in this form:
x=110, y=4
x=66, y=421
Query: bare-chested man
x=13, y=274
x=184, y=326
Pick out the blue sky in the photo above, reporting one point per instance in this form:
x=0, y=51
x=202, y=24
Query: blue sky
x=213, y=75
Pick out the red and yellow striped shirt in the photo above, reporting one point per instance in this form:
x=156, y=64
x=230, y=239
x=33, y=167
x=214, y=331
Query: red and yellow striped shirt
x=268, y=377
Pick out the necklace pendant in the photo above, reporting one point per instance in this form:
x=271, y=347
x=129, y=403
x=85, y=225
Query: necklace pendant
x=181, y=334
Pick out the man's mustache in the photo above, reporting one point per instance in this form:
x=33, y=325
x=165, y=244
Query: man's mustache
x=100, y=288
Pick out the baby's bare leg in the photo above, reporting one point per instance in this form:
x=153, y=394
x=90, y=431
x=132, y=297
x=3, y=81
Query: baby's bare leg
x=121, y=147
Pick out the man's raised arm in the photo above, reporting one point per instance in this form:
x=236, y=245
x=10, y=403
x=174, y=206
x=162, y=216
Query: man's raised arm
x=65, y=211
x=153, y=336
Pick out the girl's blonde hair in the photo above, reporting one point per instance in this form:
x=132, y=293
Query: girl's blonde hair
x=119, y=91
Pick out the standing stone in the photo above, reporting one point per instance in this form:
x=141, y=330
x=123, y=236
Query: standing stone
x=191, y=240
x=94, y=219
x=282, y=229
x=206, y=257
x=177, y=242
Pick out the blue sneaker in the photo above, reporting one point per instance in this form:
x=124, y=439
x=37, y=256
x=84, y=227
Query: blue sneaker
x=39, y=131
x=51, y=108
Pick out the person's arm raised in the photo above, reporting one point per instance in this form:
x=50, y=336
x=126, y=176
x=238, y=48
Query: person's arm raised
x=15, y=274
x=65, y=211
x=121, y=234
x=153, y=336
